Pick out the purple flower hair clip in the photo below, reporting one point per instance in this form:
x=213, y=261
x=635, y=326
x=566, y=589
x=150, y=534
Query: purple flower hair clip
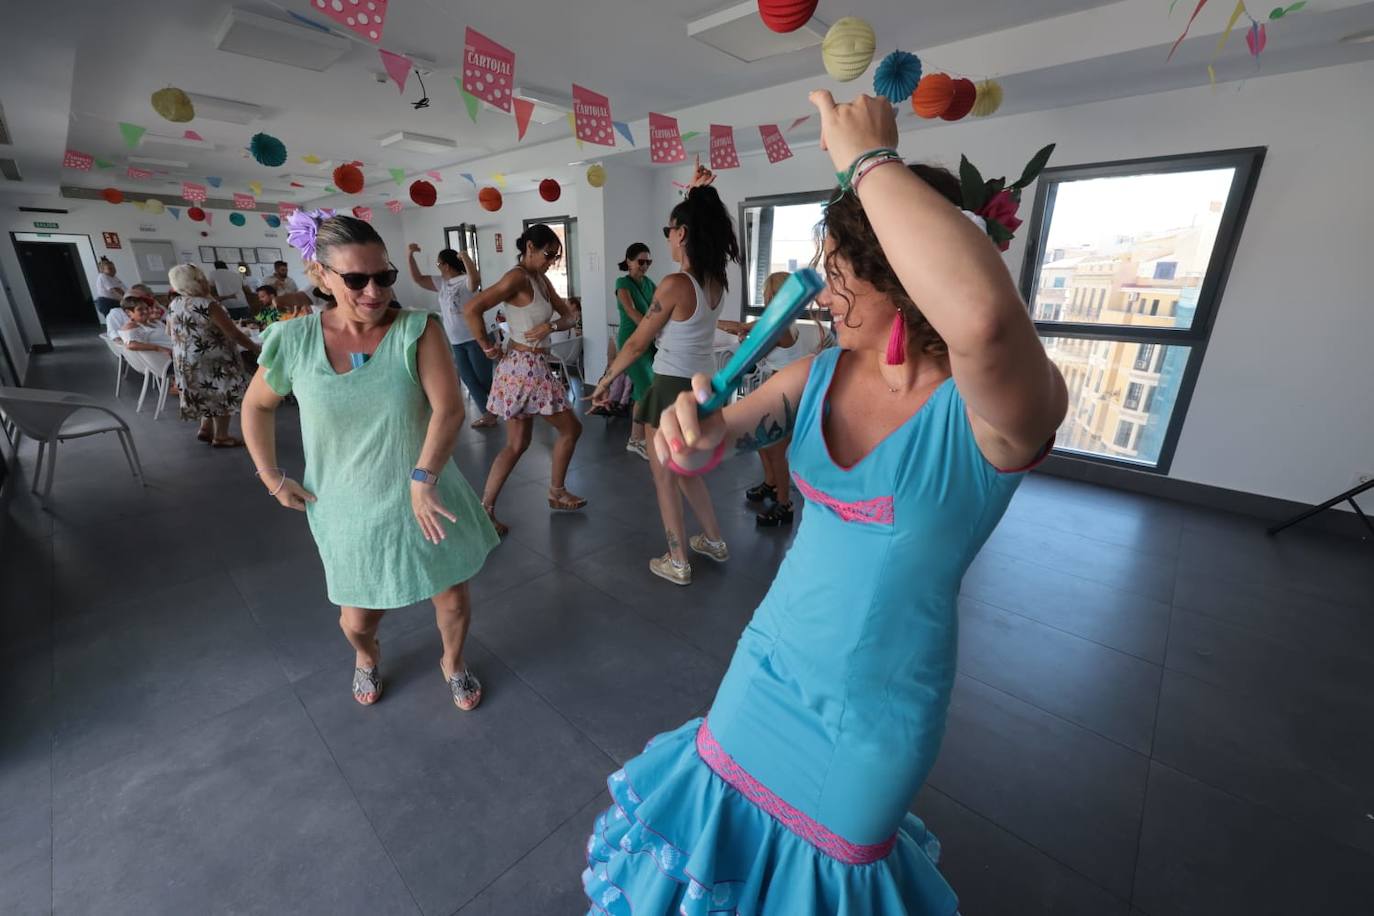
x=302, y=227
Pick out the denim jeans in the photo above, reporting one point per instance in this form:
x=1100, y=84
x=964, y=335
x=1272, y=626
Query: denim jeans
x=475, y=369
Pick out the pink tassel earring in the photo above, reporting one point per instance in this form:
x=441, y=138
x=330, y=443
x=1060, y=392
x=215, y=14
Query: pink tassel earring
x=896, y=341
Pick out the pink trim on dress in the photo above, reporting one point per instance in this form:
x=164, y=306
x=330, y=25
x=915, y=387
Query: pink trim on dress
x=815, y=833
x=877, y=511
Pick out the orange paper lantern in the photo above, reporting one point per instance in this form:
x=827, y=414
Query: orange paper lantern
x=423, y=193
x=965, y=94
x=348, y=178
x=933, y=96
x=490, y=199
x=786, y=15
x=550, y=190
x=113, y=195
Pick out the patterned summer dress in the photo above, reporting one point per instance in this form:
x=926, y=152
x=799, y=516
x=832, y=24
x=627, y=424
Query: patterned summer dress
x=209, y=370
x=791, y=796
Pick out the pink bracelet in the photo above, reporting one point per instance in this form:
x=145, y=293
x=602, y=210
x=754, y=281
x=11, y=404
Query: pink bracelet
x=870, y=166
x=706, y=468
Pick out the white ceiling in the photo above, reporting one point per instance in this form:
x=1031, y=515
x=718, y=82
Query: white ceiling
x=70, y=72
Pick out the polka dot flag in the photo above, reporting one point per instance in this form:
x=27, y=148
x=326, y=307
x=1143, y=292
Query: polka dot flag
x=592, y=117
x=365, y=17
x=665, y=142
x=723, y=153
x=773, y=143
x=74, y=159
x=488, y=70
x=245, y=202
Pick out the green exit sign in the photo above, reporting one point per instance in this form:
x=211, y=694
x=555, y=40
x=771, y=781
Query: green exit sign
x=37, y=224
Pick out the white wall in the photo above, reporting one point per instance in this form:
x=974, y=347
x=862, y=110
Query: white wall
x=1283, y=406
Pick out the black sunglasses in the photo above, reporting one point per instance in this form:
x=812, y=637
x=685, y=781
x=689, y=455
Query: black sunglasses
x=669, y=229
x=645, y=262
x=356, y=281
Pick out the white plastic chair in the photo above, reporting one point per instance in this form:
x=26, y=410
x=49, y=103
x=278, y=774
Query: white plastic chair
x=154, y=364
x=48, y=418
x=121, y=364
x=564, y=355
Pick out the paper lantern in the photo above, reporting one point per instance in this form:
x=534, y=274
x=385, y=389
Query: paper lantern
x=349, y=178
x=423, y=193
x=848, y=48
x=989, y=98
x=786, y=15
x=273, y=220
x=550, y=190
x=490, y=199
x=933, y=95
x=196, y=213
x=897, y=76
x=113, y=195
x=237, y=219
x=267, y=150
x=596, y=175
x=965, y=93
x=174, y=105
x=153, y=205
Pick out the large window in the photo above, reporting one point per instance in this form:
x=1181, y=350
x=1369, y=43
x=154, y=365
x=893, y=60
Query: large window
x=1126, y=263
x=776, y=234
x=464, y=238
x=562, y=275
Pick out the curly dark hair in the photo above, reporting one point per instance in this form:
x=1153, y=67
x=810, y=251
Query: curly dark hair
x=847, y=225
x=711, y=242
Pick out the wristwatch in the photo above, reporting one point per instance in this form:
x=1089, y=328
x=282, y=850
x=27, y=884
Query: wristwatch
x=420, y=475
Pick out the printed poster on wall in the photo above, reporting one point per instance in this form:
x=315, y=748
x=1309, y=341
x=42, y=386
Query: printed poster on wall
x=592, y=117
x=488, y=70
x=723, y=154
x=665, y=141
x=773, y=143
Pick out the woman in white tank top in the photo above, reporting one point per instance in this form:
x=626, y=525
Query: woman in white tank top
x=682, y=321
x=523, y=387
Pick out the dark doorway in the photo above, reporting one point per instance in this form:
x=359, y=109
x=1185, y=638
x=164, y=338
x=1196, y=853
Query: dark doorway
x=57, y=284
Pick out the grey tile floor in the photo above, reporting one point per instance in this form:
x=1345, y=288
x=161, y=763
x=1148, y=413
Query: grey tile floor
x=1159, y=710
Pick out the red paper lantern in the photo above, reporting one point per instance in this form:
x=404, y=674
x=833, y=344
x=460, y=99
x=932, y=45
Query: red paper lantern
x=550, y=190
x=490, y=199
x=423, y=193
x=933, y=96
x=113, y=195
x=348, y=178
x=196, y=213
x=786, y=15
x=965, y=94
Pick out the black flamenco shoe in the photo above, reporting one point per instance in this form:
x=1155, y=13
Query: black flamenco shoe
x=761, y=492
x=775, y=515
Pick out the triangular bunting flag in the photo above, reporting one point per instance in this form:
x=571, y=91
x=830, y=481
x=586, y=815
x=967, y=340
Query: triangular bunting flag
x=311, y=158
x=690, y=134
x=103, y=163
x=192, y=135
x=256, y=188
x=363, y=213
x=800, y=121
x=394, y=206
x=209, y=217
x=397, y=175
x=132, y=134
x=397, y=67
x=471, y=103
x=500, y=180
x=78, y=160
x=297, y=184
x=435, y=175
x=623, y=129
x=471, y=180
x=175, y=211
x=214, y=181
x=524, y=108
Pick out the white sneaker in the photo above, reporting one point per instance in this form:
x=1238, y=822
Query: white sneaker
x=665, y=568
x=703, y=545
x=636, y=447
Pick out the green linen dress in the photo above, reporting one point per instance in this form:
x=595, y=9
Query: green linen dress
x=641, y=371
x=363, y=431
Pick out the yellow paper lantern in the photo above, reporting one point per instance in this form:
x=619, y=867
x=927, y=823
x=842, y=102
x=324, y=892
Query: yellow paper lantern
x=596, y=176
x=173, y=104
x=848, y=48
x=989, y=98
x=153, y=205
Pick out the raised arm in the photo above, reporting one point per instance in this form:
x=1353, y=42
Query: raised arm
x=505, y=289
x=1015, y=395
x=675, y=290
x=471, y=272
x=421, y=280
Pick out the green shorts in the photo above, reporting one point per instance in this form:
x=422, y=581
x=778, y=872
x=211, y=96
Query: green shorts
x=662, y=393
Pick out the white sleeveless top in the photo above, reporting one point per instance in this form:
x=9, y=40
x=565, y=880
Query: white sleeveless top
x=685, y=347
x=524, y=318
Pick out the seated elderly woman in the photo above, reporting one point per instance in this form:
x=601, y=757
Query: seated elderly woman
x=205, y=356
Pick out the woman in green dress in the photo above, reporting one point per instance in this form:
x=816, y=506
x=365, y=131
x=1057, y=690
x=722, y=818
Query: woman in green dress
x=634, y=293
x=380, y=409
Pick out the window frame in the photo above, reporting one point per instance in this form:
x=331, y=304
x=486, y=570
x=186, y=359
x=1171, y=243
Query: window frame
x=569, y=224
x=465, y=230
x=769, y=200
x=1247, y=163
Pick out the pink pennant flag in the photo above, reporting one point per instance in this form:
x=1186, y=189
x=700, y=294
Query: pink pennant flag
x=209, y=217
x=192, y=135
x=435, y=175
x=488, y=70
x=193, y=192
x=592, y=117
x=665, y=141
x=245, y=202
x=364, y=213
x=366, y=18
x=723, y=153
x=138, y=174
x=773, y=143
x=799, y=122
x=394, y=206
x=397, y=67
x=285, y=209
x=78, y=160
x=524, y=109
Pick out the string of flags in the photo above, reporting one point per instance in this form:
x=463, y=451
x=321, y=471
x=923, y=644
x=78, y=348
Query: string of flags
x=1256, y=35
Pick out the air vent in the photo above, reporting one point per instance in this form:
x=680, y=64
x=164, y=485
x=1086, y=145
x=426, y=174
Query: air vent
x=5, y=138
x=287, y=43
x=10, y=169
x=226, y=110
x=739, y=32
x=418, y=143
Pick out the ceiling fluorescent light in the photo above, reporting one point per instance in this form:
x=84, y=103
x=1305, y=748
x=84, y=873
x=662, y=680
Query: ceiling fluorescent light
x=738, y=31
x=289, y=43
x=548, y=106
x=1358, y=38
x=164, y=163
x=418, y=143
x=226, y=110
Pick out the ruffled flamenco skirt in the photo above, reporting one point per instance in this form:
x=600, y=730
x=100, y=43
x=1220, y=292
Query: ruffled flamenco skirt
x=681, y=840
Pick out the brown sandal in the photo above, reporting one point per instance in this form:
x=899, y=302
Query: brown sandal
x=486, y=422
x=205, y=435
x=227, y=442
x=560, y=500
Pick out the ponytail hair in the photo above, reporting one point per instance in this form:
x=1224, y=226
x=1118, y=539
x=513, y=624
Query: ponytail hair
x=540, y=236
x=451, y=260
x=634, y=251
x=711, y=242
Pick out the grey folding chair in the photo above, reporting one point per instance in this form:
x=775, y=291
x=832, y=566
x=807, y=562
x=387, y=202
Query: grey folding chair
x=51, y=417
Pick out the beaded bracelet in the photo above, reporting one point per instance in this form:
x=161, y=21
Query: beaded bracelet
x=258, y=474
x=870, y=166
x=706, y=468
x=846, y=177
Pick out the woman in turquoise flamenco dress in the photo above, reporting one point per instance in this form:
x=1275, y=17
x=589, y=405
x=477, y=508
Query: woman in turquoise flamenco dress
x=791, y=796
